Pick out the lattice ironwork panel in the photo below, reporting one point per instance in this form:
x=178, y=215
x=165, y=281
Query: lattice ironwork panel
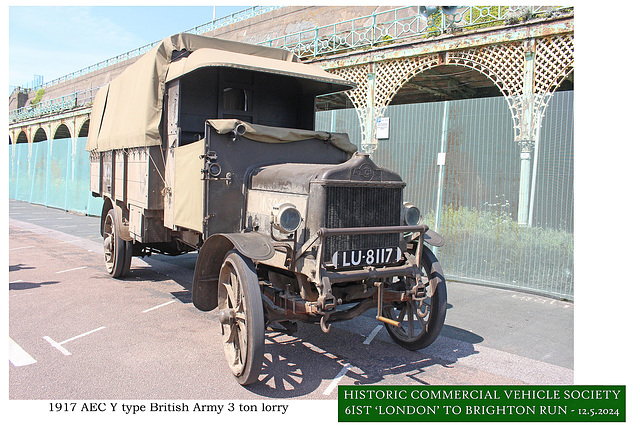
x=358, y=74
x=504, y=64
x=392, y=75
x=554, y=62
x=360, y=95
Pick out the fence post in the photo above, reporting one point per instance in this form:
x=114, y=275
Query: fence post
x=47, y=178
x=17, y=168
x=527, y=133
x=32, y=175
x=536, y=155
x=441, y=160
x=66, y=180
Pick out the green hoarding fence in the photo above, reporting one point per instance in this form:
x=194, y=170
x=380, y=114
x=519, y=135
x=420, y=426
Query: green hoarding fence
x=52, y=173
x=472, y=200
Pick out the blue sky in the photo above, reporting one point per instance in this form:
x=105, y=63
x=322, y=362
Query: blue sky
x=52, y=41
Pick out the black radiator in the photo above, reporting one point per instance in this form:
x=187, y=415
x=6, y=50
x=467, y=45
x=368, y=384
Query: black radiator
x=362, y=207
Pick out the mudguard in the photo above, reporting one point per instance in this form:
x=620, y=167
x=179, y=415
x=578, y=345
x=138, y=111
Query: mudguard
x=123, y=230
x=432, y=238
x=254, y=246
x=436, y=275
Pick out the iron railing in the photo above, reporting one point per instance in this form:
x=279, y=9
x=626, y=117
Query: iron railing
x=231, y=19
x=78, y=99
x=398, y=24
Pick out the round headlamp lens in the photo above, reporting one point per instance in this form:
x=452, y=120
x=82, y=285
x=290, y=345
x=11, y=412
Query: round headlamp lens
x=411, y=215
x=287, y=218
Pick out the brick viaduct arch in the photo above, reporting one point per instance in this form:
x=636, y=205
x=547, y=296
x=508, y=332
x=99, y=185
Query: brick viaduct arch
x=45, y=130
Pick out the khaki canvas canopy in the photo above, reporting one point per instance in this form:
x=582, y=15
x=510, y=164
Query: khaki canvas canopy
x=127, y=111
x=277, y=135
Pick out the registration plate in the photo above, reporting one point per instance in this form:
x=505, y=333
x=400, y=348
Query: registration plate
x=365, y=257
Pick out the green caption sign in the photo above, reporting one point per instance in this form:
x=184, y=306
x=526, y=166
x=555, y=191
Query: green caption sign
x=481, y=403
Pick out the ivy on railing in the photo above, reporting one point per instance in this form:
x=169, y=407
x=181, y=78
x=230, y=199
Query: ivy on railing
x=78, y=99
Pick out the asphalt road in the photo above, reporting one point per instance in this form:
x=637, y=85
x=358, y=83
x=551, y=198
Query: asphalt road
x=76, y=333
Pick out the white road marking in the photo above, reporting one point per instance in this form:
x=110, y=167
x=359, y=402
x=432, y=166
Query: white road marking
x=71, y=269
x=22, y=247
x=337, y=379
x=16, y=281
x=19, y=357
x=372, y=335
x=158, y=306
x=58, y=345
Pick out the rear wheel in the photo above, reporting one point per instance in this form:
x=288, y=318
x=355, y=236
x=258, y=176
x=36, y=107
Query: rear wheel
x=416, y=331
x=241, y=317
x=117, y=252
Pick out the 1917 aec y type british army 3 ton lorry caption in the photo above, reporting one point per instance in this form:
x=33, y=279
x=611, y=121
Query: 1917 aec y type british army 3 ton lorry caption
x=209, y=145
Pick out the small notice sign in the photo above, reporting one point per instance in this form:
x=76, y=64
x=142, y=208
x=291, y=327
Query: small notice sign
x=382, y=128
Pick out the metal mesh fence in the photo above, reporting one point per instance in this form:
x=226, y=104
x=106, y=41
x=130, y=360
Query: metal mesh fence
x=472, y=200
x=52, y=173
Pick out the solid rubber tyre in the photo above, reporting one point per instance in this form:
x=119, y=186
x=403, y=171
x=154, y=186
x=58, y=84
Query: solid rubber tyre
x=415, y=332
x=117, y=252
x=240, y=300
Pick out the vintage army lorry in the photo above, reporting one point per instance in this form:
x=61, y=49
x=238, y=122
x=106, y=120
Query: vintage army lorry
x=209, y=145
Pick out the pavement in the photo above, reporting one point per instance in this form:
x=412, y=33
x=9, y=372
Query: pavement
x=509, y=336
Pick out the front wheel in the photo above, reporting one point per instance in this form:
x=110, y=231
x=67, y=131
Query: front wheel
x=241, y=317
x=414, y=331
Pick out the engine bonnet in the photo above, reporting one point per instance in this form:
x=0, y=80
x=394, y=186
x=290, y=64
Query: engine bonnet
x=297, y=177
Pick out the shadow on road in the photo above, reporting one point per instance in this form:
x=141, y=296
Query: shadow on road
x=22, y=286
x=298, y=365
x=18, y=267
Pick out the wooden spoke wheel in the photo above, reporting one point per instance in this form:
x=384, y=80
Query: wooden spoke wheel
x=416, y=331
x=241, y=317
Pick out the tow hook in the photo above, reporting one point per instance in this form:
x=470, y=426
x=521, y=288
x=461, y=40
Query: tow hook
x=326, y=327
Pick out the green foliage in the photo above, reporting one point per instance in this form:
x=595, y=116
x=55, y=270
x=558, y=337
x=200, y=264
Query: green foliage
x=38, y=98
x=494, y=247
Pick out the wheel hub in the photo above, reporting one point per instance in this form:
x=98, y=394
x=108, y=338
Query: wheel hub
x=227, y=316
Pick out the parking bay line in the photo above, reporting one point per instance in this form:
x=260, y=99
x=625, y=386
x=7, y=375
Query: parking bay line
x=372, y=335
x=58, y=345
x=19, y=357
x=337, y=379
x=71, y=269
x=158, y=306
x=345, y=367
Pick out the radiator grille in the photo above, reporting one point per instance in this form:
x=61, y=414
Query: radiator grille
x=362, y=207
